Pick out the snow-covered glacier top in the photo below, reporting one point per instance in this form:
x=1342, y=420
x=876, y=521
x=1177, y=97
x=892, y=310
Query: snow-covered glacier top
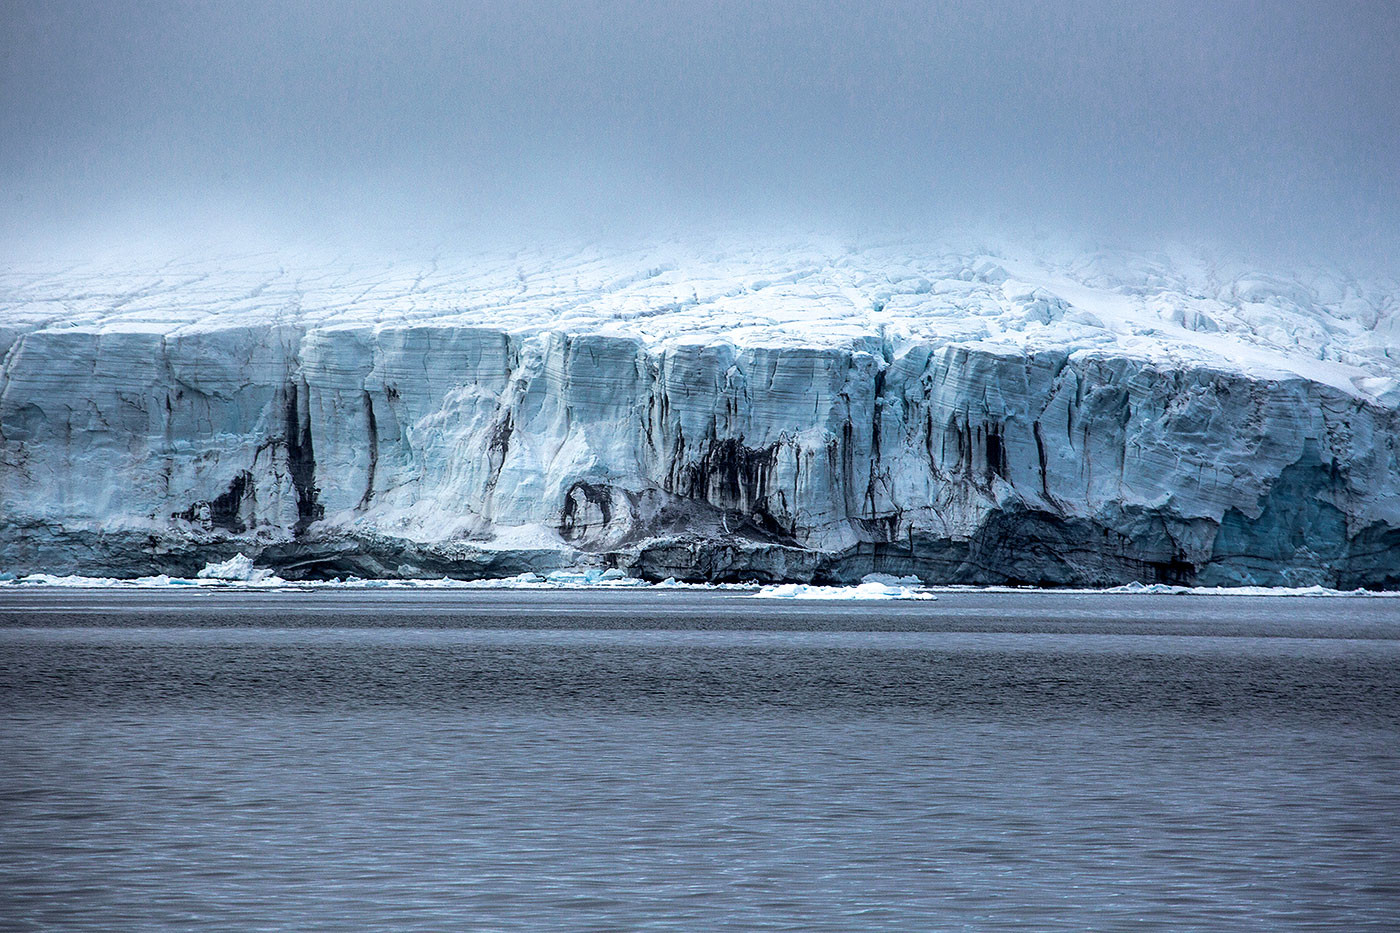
x=1177, y=307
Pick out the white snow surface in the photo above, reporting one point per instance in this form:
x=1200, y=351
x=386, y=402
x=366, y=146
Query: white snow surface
x=1177, y=307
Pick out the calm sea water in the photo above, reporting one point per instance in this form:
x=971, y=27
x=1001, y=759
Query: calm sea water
x=674, y=761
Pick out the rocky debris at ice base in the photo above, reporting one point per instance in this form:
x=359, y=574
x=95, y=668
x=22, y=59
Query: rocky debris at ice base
x=870, y=590
x=238, y=568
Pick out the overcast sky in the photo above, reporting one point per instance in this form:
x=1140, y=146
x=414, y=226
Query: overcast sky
x=1250, y=123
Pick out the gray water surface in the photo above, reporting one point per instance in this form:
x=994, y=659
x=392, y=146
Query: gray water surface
x=681, y=761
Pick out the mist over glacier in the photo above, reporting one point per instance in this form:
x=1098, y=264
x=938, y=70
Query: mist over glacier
x=1256, y=126
x=984, y=293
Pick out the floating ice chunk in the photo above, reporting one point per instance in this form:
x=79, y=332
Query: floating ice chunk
x=238, y=568
x=1163, y=589
x=592, y=576
x=890, y=579
x=1146, y=589
x=163, y=579
x=72, y=579
x=868, y=590
x=528, y=578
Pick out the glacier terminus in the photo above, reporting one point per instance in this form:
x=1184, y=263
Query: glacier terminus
x=803, y=410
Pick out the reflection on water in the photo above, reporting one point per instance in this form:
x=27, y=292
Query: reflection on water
x=412, y=762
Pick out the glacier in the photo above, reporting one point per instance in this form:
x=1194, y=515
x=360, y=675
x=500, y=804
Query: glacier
x=805, y=411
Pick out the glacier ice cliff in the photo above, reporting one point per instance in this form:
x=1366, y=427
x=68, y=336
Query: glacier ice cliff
x=796, y=413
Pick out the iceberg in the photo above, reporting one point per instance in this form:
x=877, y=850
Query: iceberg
x=238, y=568
x=802, y=411
x=870, y=590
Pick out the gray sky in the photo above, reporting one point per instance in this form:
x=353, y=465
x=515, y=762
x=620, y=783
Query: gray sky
x=1251, y=123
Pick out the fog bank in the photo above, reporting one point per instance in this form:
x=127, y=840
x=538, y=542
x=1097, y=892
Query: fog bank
x=1271, y=127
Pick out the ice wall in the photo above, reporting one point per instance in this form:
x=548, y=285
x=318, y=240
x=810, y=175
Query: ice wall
x=410, y=449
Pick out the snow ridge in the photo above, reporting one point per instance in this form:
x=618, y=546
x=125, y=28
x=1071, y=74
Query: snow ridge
x=1176, y=307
